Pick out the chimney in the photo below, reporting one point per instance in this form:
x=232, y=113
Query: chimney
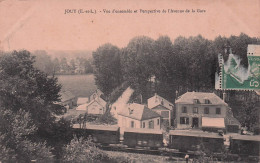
x=224, y=96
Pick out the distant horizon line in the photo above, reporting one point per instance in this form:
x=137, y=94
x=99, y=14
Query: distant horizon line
x=92, y=50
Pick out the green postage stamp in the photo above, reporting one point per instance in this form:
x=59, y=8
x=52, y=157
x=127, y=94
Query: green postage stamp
x=233, y=76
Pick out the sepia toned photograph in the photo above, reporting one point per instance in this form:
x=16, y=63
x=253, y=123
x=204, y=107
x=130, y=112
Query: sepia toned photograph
x=122, y=81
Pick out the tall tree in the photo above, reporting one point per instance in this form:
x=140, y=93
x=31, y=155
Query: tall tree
x=139, y=62
x=24, y=87
x=107, y=68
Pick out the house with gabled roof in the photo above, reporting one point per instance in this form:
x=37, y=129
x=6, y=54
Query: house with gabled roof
x=138, y=116
x=97, y=93
x=96, y=106
x=161, y=106
x=201, y=110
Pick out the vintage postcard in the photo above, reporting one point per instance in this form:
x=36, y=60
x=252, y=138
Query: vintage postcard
x=129, y=81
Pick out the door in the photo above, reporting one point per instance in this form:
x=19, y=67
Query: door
x=195, y=122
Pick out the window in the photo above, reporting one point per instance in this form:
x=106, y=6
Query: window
x=165, y=114
x=195, y=110
x=184, y=120
x=162, y=102
x=218, y=111
x=132, y=124
x=143, y=124
x=158, y=121
x=151, y=124
x=206, y=110
x=184, y=109
x=196, y=101
x=207, y=101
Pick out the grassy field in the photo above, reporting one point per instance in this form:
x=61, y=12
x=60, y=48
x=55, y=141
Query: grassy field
x=79, y=85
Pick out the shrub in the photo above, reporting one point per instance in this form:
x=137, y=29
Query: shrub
x=81, y=150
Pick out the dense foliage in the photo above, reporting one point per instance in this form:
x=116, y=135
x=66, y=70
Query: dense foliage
x=166, y=67
x=187, y=64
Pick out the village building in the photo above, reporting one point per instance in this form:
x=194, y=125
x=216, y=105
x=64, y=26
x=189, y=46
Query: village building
x=68, y=100
x=97, y=93
x=96, y=106
x=204, y=111
x=162, y=107
x=138, y=116
x=82, y=100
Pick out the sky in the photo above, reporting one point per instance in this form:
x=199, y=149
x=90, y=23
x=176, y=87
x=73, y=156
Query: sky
x=43, y=25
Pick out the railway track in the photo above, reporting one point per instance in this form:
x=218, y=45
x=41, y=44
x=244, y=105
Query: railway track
x=139, y=150
x=172, y=153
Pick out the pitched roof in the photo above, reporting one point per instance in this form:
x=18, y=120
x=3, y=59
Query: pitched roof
x=95, y=94
x=82, y=100
x=188, y=98
x=84, y=106
x=139, y=112
x=160, y=107
x=159, y=99
x=99, y=101
x=66, y=95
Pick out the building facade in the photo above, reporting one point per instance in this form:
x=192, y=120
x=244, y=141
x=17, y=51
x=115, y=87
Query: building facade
x=138, y=116
x=97, y=106
x=191, y=107
x=162, y=107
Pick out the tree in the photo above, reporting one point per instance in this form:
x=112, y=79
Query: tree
x=107, y=68
x=56, y=66
x=248, y=114
x=138, y=58
x=72, y=65
x=24, y=87
x=15, y=129
x=64, y=65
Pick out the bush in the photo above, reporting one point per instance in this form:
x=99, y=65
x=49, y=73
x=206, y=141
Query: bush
x=81, y=150
x=106, y=118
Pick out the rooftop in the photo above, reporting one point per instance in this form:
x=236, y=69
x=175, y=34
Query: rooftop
x=66, y=95
x=195, y=134
x=189, y=97
x=138, y=112
x=98, y=127
x=158, y=100
x=144, y=131
x=247, y=137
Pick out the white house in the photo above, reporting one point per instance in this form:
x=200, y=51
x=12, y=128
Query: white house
x=200, y=110
x=97, y=106
x=138, y=116
x=97, y=93
x=162, y=107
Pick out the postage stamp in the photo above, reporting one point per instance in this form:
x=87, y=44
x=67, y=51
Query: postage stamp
x=233, y=76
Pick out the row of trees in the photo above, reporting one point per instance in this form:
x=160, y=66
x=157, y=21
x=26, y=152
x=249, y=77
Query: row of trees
x=172, y=68
x=78, y=65
x=187, y=64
